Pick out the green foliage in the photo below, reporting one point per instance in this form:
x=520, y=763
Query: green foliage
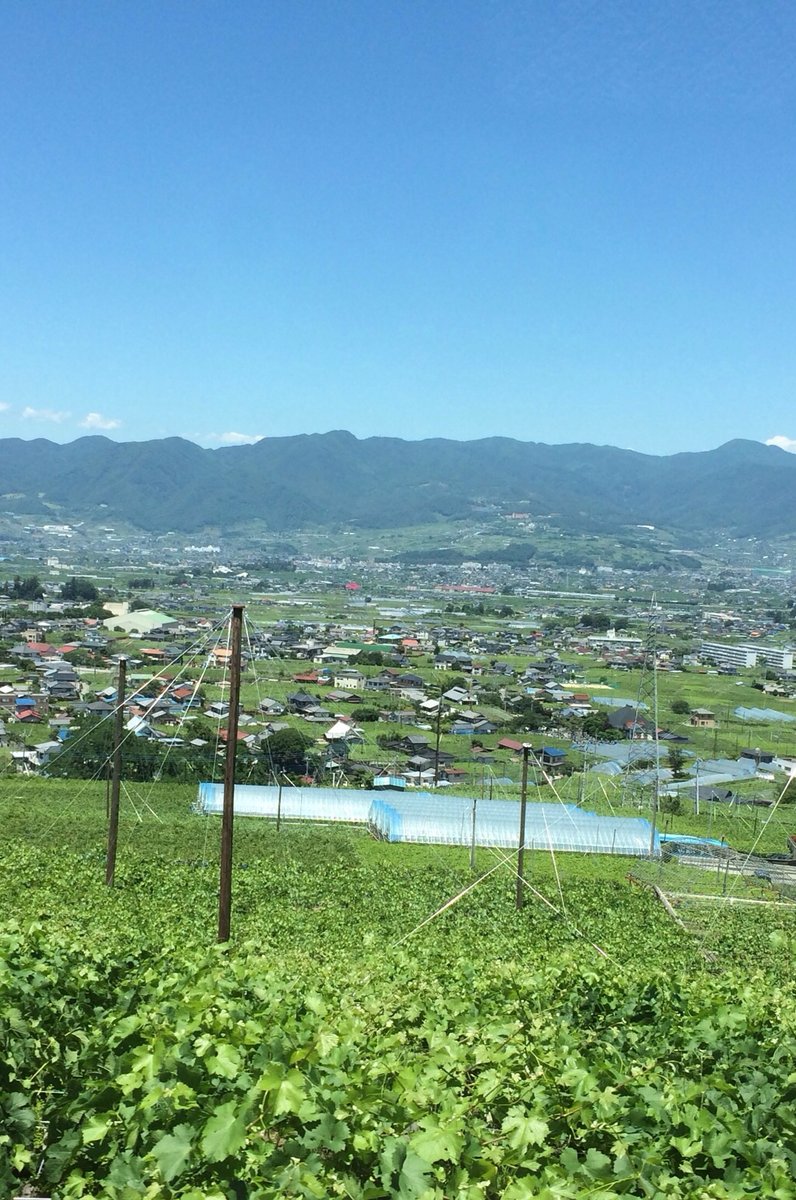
x=529, y=714
x=367, y=715
x=597, y=726
x=87, y=754
x=79, y=589
x=288, y=750
x=681, y=707
x=27, y=588
x=671, y=804
x=789, y=793
x=596, y=620
x=82, y=610
x=584, y=1047
x=81, y=657
x=676, y=757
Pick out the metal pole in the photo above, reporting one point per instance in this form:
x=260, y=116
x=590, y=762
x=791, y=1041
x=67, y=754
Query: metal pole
x=279, y=807
x=439, y=734
x=113, y=814
x=523, y=806
x=472, y=835
x=227, y=819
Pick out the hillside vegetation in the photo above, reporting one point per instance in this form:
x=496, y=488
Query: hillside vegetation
x=323, y=480
x=345, y=1045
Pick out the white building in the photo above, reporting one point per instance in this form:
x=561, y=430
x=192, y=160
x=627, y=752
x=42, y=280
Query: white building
x=744, y=657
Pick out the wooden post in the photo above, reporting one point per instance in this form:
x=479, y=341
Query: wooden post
x=523, y=806
x=113, y=813
x=439, y=734
x=228, y=813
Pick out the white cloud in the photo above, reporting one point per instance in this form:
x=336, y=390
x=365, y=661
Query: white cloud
x=235, y=439
x=95, y=420
x=45, y=414
x=3, y=406
x=784, y=443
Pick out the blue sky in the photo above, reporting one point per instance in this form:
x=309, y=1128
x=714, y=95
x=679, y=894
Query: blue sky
x=568, y=221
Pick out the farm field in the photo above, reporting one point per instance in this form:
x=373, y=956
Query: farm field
x=344, y=1043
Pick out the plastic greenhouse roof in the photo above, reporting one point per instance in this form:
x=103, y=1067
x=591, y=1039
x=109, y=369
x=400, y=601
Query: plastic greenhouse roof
x=441, y=819
x=349, y=805
x=762, y=714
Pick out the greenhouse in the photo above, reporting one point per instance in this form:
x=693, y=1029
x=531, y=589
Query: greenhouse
x=349, y=805
x=441, y=819
x=547, y=826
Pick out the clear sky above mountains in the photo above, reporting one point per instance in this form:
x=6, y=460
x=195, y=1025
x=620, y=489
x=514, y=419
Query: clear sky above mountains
x=566, y=221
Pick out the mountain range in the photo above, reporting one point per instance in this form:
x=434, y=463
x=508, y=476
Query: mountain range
x=333, y=479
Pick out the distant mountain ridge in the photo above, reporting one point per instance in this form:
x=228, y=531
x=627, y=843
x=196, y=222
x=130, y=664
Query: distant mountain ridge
x=333, y=479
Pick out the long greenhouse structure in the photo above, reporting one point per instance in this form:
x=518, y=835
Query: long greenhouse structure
x=440, y=819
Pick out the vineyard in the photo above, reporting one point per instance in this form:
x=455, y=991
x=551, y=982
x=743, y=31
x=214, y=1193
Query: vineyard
x=349, y=1042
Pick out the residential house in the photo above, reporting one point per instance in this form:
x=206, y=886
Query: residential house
x=348, y=679
x=414, y=743
x=33, y=758
x=551, y=759
x=410, y=679
x=343, y=731
x=379, y=683
x=308, y=677
x=630, y=722
x=399, y=716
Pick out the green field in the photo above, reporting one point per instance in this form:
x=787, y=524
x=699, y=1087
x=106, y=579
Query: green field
x=344, y=1044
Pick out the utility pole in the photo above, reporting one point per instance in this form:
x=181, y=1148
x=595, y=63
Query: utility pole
x=113, y=811
x=439, y=734
x=648, y=688
x=227, y=818
x=582, y=781
x=526, y=749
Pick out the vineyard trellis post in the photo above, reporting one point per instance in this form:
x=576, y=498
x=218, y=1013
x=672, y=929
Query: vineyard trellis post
x=438, y=737
x=113, y=811
x=227, y=819
x=526, y=750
